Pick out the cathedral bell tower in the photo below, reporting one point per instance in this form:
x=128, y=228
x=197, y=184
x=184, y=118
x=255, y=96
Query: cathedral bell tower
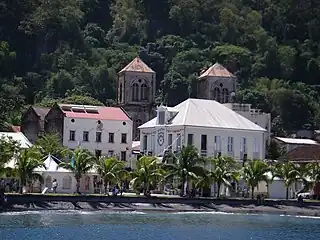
x=217, y=83
x=136, y=88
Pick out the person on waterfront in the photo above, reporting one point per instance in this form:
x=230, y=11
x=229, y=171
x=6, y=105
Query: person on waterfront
x=54, y=185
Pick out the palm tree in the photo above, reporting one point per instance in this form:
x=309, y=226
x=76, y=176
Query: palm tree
x=147, y=172
x=185, y=166
x=223, y=171
x=255, y=171
x=288, y=172
x=50, y=144
x=8, y=149
x=28, y=160
x=80, y=163
x=111, y=170
x=313, y=171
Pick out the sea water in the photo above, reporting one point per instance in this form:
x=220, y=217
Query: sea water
x=81, y=225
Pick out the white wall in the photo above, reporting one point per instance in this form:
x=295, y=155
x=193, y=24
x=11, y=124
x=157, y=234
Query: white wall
x=90, y=125
x=197, y=132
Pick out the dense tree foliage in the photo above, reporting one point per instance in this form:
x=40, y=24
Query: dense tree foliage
x=72, y=49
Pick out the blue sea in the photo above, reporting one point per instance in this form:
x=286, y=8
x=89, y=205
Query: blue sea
x=81, y=225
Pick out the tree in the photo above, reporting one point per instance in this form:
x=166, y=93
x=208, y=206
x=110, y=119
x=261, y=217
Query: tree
x=288, y=172
x=255, y=171
x=111, y=170
x=81, y=161
x=185, y=166
x=28, y=160
x=275, y=150
x=50, y=144
x=146, y=174
x=223, y=171
x=8, y=149
x=313, y=171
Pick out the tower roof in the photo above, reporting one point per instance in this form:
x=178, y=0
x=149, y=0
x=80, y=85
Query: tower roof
x=137, y=65
x=216, y=70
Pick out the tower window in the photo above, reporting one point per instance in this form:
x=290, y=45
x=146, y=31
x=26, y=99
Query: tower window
x=225, y=95
x=144, y=92
x=215, y=95
x=135, y=92
x=120, y=93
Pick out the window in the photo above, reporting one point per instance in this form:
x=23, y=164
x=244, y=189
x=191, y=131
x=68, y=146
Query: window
x=217, y=143
x=66, y=182
x=135, y=92
x=123, y=156
x=255, y=148
x=230, y=144
x=225, y=95
x=203, y=142
x=123, y=138
x=243, y=145
x=98, y=136
x=111, y=137
x=120, y=93
x=178, y=142
x=110, y=153
x=190, y=139
x=98, y=153
x=145, y=142
x=215, y=94
x=144, y=92
x=85, y=136
x=161, y=117
x=170, y=141
x=72, y=135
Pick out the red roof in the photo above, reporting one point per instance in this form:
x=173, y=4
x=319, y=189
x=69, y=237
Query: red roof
x=94, y=112
x=137, y=65
x=306, y=153
x=217, y=70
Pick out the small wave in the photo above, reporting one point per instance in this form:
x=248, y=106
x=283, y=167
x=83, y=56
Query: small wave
x=210, y=212
x=19, y=213
x=313, y=217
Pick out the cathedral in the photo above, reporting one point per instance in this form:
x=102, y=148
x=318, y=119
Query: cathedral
x=136, y=88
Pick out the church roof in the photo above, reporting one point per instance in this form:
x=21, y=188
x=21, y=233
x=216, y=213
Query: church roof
x=216, y=70
x=208, y=114
x=137, y=65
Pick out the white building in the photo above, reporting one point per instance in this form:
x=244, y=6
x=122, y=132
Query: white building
x=103, y=130
x=210, y=126
x=292, y=143
x=18, y=137
x=254, y=115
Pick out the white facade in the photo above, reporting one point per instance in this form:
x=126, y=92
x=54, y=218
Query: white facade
x=208, y=125
x=101, y=136
x=254, y=115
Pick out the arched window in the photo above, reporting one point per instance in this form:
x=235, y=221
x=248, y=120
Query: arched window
x=86, y=183
x=215, y=94
x=66, y=182
x=135, y=92
x=144, y=92
x=48, y=182
x=225, y=95
x=120, y=93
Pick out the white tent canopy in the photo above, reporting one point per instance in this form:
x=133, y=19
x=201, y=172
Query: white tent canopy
x=51, y=165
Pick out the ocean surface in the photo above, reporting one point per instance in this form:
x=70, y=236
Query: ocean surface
x=77, y=225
